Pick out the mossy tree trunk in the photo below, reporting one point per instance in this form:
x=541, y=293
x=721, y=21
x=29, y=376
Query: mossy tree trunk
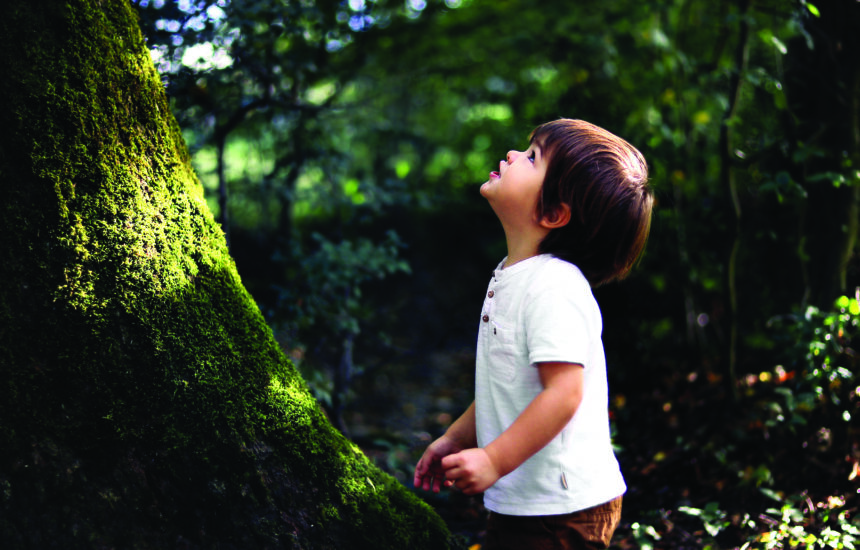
x=143, y=400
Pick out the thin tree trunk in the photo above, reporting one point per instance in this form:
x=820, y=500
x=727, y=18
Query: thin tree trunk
x=730, y=183
x=826, y=89
x=853, y=221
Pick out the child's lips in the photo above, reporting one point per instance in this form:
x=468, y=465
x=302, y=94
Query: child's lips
x=496, y=174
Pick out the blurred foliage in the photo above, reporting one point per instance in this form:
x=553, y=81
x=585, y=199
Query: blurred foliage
x=342, y=144
x=822, y=364
x=778, y=470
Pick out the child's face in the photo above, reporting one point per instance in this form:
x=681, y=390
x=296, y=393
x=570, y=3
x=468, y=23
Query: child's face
x=514, y=190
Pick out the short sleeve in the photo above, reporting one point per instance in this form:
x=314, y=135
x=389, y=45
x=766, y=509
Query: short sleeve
x=558, y=319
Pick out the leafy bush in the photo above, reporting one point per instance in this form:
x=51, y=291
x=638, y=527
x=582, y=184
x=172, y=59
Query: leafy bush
x=820, y=378
x=803, y=408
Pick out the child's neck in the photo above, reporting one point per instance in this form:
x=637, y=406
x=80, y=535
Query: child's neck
x=522, y=247
x=517, y=258
x=523, y=239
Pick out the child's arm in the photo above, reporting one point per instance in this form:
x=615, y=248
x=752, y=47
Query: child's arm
x=475, y=470
x=429, y=472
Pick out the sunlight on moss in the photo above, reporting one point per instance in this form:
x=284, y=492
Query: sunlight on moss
x=357, y=487
x=291, y=396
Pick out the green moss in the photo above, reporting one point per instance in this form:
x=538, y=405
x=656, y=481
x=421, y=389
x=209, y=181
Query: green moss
x=143, y=399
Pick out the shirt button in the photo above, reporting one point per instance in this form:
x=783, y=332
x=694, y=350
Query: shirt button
x=491, y=293
x=485, y=318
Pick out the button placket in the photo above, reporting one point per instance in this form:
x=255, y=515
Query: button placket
x=490, y=294
x=489, y=305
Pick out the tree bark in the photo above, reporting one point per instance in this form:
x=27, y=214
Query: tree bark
x=143, y=400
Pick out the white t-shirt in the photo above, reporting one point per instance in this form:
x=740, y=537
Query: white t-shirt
x=537, y=310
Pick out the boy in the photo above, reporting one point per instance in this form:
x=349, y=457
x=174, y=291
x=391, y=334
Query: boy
x=576, y=210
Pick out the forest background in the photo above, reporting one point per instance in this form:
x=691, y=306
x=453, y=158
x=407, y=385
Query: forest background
x=342, y=145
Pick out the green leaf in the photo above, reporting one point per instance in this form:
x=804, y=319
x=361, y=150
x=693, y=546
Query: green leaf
x=770, y=493
x=813, y=10
x=779, y=45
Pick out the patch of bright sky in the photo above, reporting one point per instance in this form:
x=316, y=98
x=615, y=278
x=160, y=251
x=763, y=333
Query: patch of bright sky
x=169, y=25
x=359, y=21
x=334, y=44
x=414, y=8
x=199, y=57
x=205, y=56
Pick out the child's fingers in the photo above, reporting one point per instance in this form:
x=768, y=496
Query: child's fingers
x=427, y=477
x=423, y=475
x=426, y=483
x=453, y=472
x=451, y=461
x=420, y=470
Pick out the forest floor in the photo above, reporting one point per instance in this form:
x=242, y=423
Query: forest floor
x=698, y=469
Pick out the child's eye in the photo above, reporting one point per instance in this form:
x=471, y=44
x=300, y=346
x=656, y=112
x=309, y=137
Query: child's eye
x=531, y=157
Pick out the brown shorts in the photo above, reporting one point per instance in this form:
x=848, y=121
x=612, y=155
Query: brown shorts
x=586, y=529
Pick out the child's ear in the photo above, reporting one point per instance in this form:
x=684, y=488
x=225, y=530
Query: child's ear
x=557, y=218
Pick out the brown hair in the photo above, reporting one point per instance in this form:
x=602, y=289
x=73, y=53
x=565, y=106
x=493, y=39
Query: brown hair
x=604, y=181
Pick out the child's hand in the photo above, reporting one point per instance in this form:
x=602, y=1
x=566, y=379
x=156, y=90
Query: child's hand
x=472, y=471
x=429, y=473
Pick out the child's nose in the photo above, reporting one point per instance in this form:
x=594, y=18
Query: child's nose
x=510, y=156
